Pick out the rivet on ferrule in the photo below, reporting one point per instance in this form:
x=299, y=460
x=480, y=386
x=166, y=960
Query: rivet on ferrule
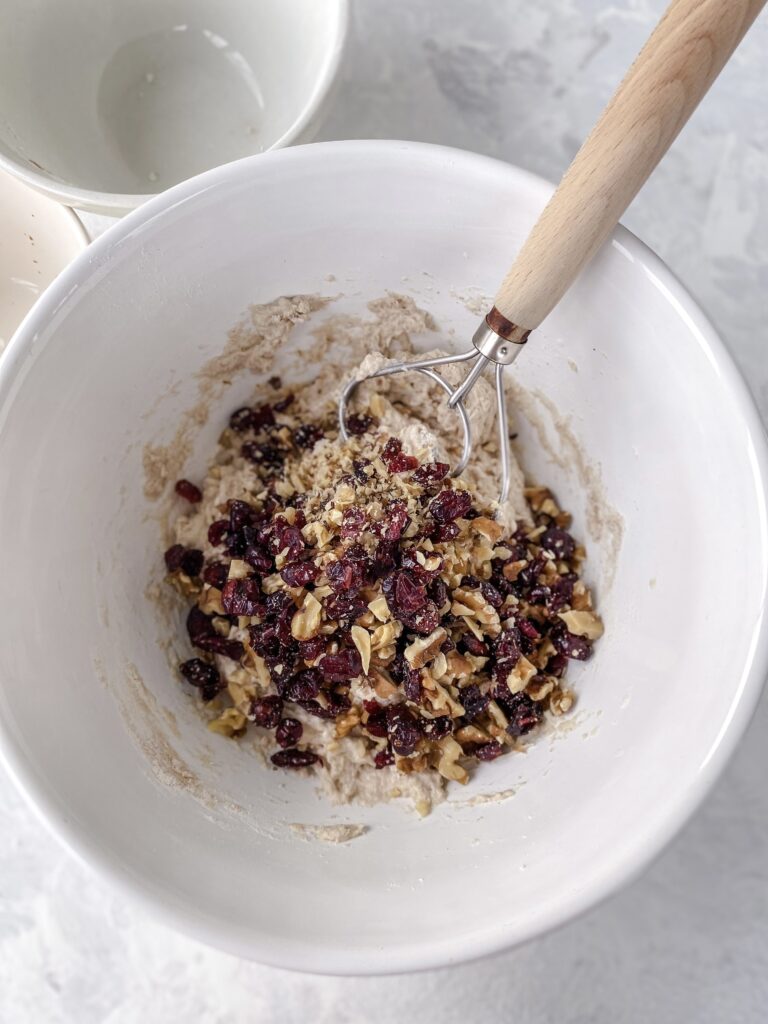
x=502, y=348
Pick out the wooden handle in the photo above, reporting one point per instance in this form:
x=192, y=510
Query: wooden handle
x=686, y=52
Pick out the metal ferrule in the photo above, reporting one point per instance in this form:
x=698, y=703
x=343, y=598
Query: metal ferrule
x=494, y=347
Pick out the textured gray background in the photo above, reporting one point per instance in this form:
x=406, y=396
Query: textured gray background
x=522, y=80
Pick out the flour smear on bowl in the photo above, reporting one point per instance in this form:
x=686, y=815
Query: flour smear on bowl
x=358, y=613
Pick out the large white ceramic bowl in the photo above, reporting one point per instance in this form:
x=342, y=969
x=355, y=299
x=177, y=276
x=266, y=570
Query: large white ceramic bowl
x=105, y=103
x=642, y=411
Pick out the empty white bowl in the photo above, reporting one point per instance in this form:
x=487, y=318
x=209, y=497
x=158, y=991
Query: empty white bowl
x=38, y=239
x=105, y=103
x=633, y=403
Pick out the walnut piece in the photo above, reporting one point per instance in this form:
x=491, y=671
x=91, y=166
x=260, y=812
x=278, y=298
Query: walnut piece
x=425, y=648
x=361, y=638
x=583, y=623
x=306, y=623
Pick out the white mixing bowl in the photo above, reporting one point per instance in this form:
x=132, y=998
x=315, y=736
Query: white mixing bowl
x=105, y=103
x=109, y=747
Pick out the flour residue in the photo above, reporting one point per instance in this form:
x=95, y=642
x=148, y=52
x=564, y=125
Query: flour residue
x=333, y=834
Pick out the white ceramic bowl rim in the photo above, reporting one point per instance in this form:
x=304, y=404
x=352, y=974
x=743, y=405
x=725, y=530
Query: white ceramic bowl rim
x=87, y=198
x=649, y=840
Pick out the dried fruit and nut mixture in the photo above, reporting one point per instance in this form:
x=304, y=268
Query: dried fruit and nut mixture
x=358, y=587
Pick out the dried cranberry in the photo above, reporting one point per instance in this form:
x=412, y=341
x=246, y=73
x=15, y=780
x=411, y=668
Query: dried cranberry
x=522, y=712
x=278, y=602
x=444, y=532
x=424, y=621
x=299, y=574
x=307, y=435
x=294, y=758
x=450, y=505
x=403, y=730
x=557, y=665
x=474, y=646
x=240, y=514
x=384, y=559
x=283, y=621
x=262, y=416
x=192, y=562
x=506, y=646
x=266, y=711
x=240, y=420
x=215, y=574
x=529, y=574
x=561, y=593
x=343, y=575
x=263, y=639
x=337, y=704
x=286, y=539
x=559, y=542
x=404, y=594
x=528, y=629
x=173, y=557
x=344, y=607
x=202, y=675
x=438, y=591
x=304, y=686
x=203, y=635
x=258, y=558
x=281, y=673
x=188, y=491
x=284, y=403
x=357, y=425
x=216, y=644
x=341, y=667
x=377, y=723
x=352, y=522
x=436, y=728
x=265, y=455
x=431, y=473
x=289, y=732
x=572, y=646
x=409, y=560
x=409, y=678
x=217, y=532
x=491, y=594
x=242, y=597
x=310, y=650
x=198, y=624
x=394, y=520
x=489, y=751
x=539, y=594
x=395, y=458
x=384, y=758
x=473, y=701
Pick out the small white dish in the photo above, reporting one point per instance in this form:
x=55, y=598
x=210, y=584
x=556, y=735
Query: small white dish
x=105, y=103
x=112, y=751
x=38, y=239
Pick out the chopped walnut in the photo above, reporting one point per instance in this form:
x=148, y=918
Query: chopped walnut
x=583, y=623
x=306, y=622
x=448, y=765
x=362, y=641
x=230, y=723
x=424, y=649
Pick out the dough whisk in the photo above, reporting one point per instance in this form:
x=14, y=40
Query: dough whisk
x=679, y=62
